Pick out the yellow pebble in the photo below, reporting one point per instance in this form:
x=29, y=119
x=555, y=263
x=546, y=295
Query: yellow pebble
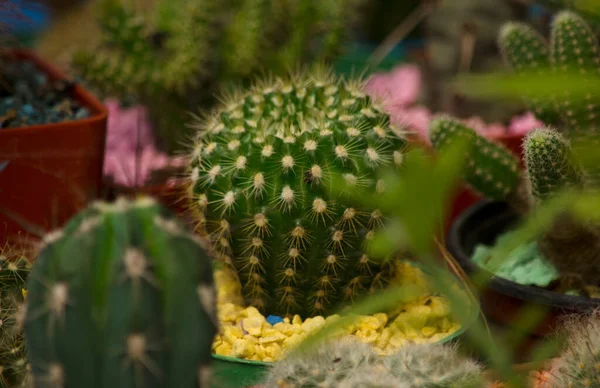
x=253, y=312
x=286, y=320
x=285, y=328
x=273, y=350
x=440, y=307
x=396, y=341
x=231, y=333
x=383, y=318
x=242, y=348
x=368, y=337
x=254, y=325
x=275, y=337
x=428, y=331
x=384, y=338
x=332, y=318
x=312, y=324
x=224, y=349
x=296, y=320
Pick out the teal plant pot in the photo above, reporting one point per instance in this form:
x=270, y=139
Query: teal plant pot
x=232, y=372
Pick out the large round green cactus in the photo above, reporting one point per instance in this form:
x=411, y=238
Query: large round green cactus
x=122, y=297
x=261, y=177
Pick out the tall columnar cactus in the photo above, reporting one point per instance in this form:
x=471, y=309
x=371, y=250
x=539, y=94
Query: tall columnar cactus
x=577, y=366
x=573, y=49
x=175, y=57
x=356, y=365
x=260, y=182
x=123, y=296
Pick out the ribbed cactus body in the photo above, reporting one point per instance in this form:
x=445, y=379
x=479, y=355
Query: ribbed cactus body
x=261, y=177
x=356, y=365
x=549, y=163
x=491, y=168
x=526, y=51
x=121, y=297
x=574, y=49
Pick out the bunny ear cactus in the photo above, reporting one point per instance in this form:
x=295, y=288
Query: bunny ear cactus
x=121, y=297
x=355, y=365
x=573, y=49
x=261, y=179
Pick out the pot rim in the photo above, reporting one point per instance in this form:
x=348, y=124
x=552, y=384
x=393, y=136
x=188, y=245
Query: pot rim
x=528, y=293
x=473, y=315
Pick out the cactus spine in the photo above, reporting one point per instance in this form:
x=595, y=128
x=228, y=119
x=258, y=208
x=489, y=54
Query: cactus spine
x=174, y=57
x=123, y=296
x=14, y=269
x=577, y=366
x=260, y=183
x=355, y=365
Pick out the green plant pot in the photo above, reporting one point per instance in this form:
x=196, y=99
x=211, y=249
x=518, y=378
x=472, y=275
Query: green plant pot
x=232, y=372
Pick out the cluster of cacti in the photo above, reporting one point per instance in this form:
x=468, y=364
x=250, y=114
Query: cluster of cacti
x=573, y=248
x=14, y=269
x=123, y=296
x=572, y=49
x=577, y=366
x=261, y=184
x=354, y=364
x=174, y=57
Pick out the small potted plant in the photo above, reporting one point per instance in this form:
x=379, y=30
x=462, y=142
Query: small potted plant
x=564, y=258
x=259, y=182
x=52, y=140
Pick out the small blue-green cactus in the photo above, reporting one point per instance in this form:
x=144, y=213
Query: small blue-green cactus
x=121, y=297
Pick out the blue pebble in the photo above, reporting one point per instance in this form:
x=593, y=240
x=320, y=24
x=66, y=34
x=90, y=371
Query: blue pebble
x=27, y=109
x=82, y=113
x=274, y=319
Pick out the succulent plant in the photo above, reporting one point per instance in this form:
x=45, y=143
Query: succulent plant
x=261, y=178
x=14, y=269
x=577, y=366
x=123, y=296
x=174, y=57
x=354, y=364
x=573, y=48
x=550, y=166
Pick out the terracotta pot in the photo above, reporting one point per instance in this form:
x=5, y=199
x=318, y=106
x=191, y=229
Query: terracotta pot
x=50, y=171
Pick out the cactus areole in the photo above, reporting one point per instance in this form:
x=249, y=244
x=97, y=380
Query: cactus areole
x=261, y=175
x=121, y=297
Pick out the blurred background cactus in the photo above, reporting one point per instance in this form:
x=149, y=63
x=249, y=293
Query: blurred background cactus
x=355, y=365
x=14, y=270
x=173, y=56
x=260, y=184
x=122, y=296
x=551, y=165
